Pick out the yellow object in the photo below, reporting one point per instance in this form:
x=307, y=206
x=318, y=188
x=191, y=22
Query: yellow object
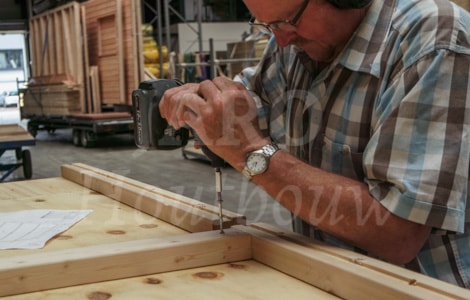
x=155, y=69
x=147, y=29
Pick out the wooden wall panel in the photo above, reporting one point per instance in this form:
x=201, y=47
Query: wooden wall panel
x=105, y=47
x=133, y=47
x=118, y=78
x=57, y=51
x=56, y=44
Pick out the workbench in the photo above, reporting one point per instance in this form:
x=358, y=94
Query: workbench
x=14, y=137
x=141, y=242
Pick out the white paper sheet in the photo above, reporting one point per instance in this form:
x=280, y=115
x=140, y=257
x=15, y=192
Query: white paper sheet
x=31, y=229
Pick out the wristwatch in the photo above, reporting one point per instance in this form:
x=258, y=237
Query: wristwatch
x=257, y=161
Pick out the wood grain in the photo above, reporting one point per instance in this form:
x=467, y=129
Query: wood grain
x=44, y=271
x=184, y=212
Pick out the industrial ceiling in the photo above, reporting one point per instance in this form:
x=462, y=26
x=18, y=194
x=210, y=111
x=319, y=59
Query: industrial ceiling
x=13, y=15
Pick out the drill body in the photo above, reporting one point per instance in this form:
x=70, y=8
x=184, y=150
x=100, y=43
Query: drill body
x=151, y=131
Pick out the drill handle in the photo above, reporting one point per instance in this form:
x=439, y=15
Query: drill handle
x=216, y=161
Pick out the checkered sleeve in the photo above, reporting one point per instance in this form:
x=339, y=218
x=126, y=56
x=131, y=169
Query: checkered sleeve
x=417, y=161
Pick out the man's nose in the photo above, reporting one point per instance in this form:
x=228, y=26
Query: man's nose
x=283, y=39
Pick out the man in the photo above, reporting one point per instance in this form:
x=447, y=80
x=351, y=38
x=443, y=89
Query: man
x=370, y=98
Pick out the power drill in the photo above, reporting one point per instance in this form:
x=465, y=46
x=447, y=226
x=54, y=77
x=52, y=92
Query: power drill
x=151, y=131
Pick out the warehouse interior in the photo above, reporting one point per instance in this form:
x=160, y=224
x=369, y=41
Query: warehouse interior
x=169, y=169
x=154, y=224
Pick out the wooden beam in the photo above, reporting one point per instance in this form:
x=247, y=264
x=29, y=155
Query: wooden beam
x=88, y=107
x=43, y=271
x=340, y=272
x=186, y=213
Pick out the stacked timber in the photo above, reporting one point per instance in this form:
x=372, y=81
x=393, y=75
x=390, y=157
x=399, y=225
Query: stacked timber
x=85, y=56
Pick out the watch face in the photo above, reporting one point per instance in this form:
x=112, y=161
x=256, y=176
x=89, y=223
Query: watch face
x=256, y=163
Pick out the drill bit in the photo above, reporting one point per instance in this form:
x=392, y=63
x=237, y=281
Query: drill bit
x=218, y=190
x=217, y=163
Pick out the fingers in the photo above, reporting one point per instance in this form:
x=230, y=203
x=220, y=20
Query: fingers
x=209, y=89
x=173, y=105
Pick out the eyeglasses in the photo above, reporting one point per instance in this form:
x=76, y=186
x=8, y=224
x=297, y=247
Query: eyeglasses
x=282, y=25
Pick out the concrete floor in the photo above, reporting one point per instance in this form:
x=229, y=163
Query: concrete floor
x=191, y=177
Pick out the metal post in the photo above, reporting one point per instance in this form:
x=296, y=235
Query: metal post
x=159, y=36
x=167, y=23
x=199, y=25
x=212, y=59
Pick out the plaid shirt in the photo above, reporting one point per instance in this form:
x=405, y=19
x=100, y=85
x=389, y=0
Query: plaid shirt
x=393, y=111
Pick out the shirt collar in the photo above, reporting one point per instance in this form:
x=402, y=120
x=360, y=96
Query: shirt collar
x=364, y=50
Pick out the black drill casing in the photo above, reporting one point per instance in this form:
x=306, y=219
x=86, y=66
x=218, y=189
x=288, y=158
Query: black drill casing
x=151, y=131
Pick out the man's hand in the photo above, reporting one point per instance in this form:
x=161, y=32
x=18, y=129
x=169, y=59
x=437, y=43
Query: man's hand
x=221, y=112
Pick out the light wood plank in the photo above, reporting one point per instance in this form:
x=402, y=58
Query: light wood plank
x=240, y=280
x=341, y=272
x=181, y=211
x=35, y=272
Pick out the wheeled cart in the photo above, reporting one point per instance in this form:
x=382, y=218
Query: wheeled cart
x=14, y=137
x=86, y=128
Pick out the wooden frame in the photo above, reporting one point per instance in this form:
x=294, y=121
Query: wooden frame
x=340, y=273
x=331, y=272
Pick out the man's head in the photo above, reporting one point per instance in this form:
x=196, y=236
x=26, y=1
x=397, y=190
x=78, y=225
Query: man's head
x=320, y=27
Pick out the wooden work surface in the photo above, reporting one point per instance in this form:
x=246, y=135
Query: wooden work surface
x=14, y=133
x=127, y=251
x=110, y=221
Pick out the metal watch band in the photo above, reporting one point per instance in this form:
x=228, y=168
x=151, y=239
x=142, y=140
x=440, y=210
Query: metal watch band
x=270, y=149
